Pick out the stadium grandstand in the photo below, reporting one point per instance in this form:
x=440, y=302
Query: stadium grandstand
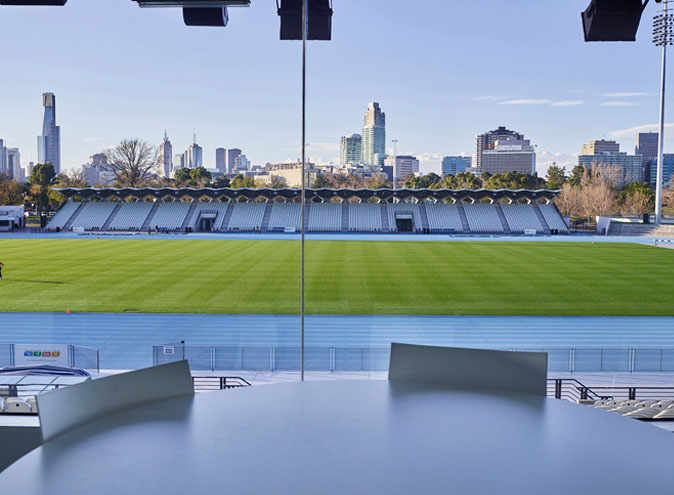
x=464, y=211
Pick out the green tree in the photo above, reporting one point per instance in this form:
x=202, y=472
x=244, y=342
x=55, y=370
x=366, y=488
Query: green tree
x=221, y=181
x=38, y=191
x=182, y=176
x=577, y=173
x=200, y=176
x=320, y=182
x=423, y=181
x=636, y=198
x=11, y=192
x=555, y=177
x=462, y=180
x=377, y=182
x=43, y=174
x=240, y=181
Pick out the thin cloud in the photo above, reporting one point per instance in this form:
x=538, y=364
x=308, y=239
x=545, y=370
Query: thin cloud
x=578, y=91
x=489, y=98
x=632, y=131
x=525, y=102
x=618, y=104
x=626, y=95
x=567, y=103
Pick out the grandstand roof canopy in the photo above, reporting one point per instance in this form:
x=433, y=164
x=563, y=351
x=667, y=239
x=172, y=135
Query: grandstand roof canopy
x=227, y=194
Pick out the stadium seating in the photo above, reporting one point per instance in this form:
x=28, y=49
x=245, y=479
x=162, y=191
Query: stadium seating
x=482, y=218
x=131, y=216
x=170, y=216
x=246, y=216
x=554, y=219
x=16, y=405
x=365, y=217
x=285, y=215
x=93, y=215
x=443, y=218
x=521, y=218
x=325, y=217
x=219, y=209
x=63, y=215
x=397, y=208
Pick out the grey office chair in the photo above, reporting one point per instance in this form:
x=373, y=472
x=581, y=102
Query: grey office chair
x=470, y=369
x=67, y=408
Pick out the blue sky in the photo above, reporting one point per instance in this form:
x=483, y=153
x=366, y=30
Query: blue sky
x=443, y=71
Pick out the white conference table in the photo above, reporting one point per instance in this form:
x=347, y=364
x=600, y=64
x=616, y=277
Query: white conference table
x=350, y=437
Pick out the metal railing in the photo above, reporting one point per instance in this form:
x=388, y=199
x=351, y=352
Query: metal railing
x=206, y=383
x=364, y=359
x=79, y=356
x=573, y=390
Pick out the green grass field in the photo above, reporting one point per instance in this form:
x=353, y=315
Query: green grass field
x=343, y=277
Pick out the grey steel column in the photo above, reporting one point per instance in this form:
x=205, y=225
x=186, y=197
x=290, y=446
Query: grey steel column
x=304, y=116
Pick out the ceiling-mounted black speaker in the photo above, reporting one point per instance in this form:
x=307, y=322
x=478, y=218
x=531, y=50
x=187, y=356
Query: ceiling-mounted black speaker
x=210, y=17
x=612, y=20
x=41, y=3
x=319, y=19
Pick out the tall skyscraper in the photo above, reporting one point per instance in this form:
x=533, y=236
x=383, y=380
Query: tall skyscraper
x=452, y=165
x=165, y=157
x=3, y=158
x=13, y=163
x=487, y=141
x=49, y=142
x=194, y=156
x=647, y=147
x=350, y=149
x=232, y=155
x=221, y=160
x=374, y=135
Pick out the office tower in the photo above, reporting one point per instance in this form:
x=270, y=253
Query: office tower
x=607, y=154
x=232, y=155
x=350, y=149
x=165, y=157
x=403, y=166
x=97, y=171
x=221, y=160
x=178, y=161
x=598, y=146
x=194, y=155
x=3, y=158
x=49, y=142
x=667, y=172
x=487, y=141
x=452, y=165
x=13, y=162
x=373, y=138
x=509, y=155
x=647, y=146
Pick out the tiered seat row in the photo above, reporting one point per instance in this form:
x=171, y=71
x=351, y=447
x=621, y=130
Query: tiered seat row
x=218, y=209
x=94, y=215
x=63, y=215
x=553, y=218
x=285, y=215
x=639, y=409
x=482, y=218
x=170, y=216
x=325, y=217
x=247, y=216
x=399, y=208
x=364, y=217
x=131, y=216
x=521, y=218
x=443, y=218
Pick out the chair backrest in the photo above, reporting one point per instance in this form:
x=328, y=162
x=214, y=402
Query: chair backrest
x=67, y=408
x=470, y=369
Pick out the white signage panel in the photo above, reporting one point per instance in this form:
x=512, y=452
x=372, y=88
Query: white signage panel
x=36, y=354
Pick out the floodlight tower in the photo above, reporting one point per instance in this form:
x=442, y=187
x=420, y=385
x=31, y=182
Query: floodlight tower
x=663, y=35
x=395, y=162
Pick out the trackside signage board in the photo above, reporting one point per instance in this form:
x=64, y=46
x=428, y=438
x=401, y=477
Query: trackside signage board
x=27, y=354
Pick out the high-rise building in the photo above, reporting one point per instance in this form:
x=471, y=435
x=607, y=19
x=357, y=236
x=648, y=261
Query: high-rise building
x=487, y=141
x=403, y=166
x=598, y=146
x=232, y=155
x=221, y=160
x=178, y=162
x=647, y=146
x=49, y=142
x=3, y=158
x=165, y=157
x=452, y=165
x=195, y=155
x=509, y=155
x=667, y=172
x=350, y=149
x=13, y=163
x=97, y=171
x=601, y=153
x=373, y=138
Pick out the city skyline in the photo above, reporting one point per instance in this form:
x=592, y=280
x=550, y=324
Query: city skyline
x=434, y=108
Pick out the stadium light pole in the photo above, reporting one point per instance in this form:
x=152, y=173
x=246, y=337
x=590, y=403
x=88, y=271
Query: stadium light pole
x=304, y=122
x=395, y=162
x=663, y=35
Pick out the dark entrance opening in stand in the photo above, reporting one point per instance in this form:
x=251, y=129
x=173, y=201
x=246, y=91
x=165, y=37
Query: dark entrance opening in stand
x=206, y=222
x=404, y=222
